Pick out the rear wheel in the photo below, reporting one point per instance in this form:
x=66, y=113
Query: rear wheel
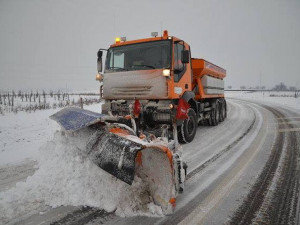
x=225, y=109
x=222, y=110
x=187, y=131
x=215, y=114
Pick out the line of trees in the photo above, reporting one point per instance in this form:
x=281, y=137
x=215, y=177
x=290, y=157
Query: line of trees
x=279, y=87
x=31, y=101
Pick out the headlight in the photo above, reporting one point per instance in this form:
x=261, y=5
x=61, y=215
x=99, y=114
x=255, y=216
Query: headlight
x=166, y=72
x=99, y=77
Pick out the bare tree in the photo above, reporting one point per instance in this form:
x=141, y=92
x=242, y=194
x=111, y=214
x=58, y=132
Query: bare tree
x=280, y=87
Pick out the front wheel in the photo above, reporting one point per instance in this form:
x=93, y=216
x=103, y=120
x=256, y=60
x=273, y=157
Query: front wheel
x=187, y=131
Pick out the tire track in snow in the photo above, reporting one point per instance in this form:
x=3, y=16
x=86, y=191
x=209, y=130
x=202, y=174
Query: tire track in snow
x=220, y=178
x=281, y=207
x=85, y=215
x=222, y=152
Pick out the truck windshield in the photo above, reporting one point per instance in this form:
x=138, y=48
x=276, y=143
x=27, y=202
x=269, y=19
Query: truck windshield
x=142, y=56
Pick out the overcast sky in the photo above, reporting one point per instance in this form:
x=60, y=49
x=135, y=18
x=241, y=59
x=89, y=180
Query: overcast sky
x=52, y=44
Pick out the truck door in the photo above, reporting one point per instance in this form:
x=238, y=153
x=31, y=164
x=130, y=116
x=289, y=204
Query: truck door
x=179, y=67
x=182, y=71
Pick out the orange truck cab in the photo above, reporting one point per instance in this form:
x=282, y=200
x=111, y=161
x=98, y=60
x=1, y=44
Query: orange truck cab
x=171, y=90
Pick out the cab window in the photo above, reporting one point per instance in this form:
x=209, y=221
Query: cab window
x=117, y=61
x=179, y=67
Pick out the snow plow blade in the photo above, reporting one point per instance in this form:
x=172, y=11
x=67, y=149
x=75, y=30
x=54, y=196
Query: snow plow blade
x=114, y=154
x=124, y=158
x=117, y=150
x=156, y=166
x=73, y=118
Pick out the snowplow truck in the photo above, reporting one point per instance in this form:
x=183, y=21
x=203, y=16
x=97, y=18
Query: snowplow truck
x=155, y=97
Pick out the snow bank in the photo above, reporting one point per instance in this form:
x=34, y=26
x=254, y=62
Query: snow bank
x=67, y=177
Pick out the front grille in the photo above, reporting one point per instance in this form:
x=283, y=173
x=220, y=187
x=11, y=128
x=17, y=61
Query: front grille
x=162, y=117
x=153, y=116
x=132, y=91
x=120, y=109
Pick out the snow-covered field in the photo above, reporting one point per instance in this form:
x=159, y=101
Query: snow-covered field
x=285, y=99
x=22, y=134
x=33, y=101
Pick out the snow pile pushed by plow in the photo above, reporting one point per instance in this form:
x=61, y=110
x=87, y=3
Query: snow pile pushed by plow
x=66, y=176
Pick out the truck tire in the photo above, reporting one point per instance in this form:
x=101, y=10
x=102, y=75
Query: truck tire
x=187, y=131
x=222, y=110
x=215, y=114
x=225, y=107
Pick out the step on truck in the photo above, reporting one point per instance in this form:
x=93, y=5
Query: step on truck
x=155, y=96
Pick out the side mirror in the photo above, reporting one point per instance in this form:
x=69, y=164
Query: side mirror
x=99, y=54
x=99, y=65
x=99, y=61
x=185, y=56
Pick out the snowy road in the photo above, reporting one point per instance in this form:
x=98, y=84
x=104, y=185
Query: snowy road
x=237, y=171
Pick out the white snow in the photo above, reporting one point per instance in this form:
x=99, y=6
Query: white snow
x=65, y=175
x=285, y=99
x=22, y=134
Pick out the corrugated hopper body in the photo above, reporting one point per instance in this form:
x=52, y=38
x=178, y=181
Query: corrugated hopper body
x=207, y=79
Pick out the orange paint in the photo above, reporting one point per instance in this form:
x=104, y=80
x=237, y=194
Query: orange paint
x=128, y=117
x=166, y=150
x=142, y=136
x=139, y=158
x=120, y=131
x=201, y=68
x=173, y=202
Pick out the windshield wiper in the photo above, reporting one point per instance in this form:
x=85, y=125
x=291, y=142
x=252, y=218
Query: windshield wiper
x=119, y=68
x=152, y=67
